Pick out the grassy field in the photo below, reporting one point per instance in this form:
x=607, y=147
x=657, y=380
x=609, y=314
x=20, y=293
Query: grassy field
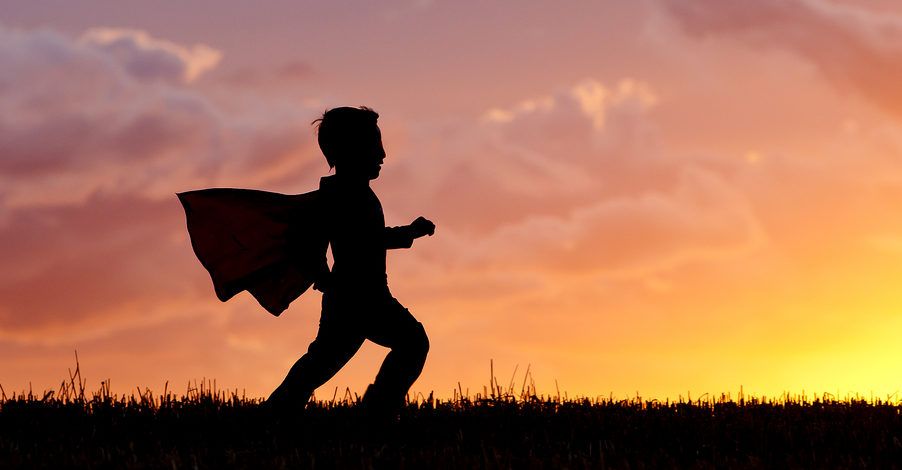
x=209, y=428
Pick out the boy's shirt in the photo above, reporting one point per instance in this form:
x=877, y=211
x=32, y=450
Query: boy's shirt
x=355, y=228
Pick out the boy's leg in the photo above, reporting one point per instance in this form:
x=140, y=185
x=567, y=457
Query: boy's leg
x=394, y=327
x=326, y=355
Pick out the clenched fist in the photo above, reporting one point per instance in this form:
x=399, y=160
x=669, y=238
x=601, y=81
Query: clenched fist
x=422, y=226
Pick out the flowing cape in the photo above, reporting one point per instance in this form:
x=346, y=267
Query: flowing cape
x=269, y=244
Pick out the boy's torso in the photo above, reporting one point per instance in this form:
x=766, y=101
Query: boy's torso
x=354, y=226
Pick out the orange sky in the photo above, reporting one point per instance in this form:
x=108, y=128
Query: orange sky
x=654, y=197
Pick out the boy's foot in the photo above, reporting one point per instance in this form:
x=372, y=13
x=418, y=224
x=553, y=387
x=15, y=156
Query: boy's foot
x=379, y=407
x=282, y=413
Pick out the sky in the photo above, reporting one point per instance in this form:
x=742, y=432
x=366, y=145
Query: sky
x=655, y=198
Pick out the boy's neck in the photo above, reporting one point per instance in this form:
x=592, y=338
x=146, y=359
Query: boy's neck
x=350, y=178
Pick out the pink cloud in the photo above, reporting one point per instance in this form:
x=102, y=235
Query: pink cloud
x=77, y=118
x=854, y=48
x=147, y=58
x=98, y=135
x=578, y=181
x=701, y=219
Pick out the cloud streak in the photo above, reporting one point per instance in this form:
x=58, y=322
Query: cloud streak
x=122, y=119
x=854, y=48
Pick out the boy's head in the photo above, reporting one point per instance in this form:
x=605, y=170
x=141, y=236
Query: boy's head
x=351, y=141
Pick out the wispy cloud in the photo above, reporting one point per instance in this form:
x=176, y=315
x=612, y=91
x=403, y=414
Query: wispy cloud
x=855, y=48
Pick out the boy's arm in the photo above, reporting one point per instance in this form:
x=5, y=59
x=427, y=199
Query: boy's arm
x=403, y=236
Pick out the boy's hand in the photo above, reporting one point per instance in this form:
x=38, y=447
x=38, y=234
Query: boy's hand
x=422, y=226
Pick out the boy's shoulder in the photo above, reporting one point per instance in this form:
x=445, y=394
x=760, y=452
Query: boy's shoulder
x=343, y=195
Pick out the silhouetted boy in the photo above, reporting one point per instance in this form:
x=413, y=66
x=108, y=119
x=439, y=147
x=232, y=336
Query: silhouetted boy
x=357, y=304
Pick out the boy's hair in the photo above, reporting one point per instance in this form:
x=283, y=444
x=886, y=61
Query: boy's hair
x=337, y=128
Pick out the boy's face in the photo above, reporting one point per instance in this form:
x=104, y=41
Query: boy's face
x=368, y=156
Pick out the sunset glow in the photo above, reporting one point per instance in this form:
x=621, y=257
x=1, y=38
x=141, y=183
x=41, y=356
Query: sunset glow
x=653, y=197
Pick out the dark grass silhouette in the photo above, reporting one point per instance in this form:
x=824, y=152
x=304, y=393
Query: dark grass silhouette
x=211, y=428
